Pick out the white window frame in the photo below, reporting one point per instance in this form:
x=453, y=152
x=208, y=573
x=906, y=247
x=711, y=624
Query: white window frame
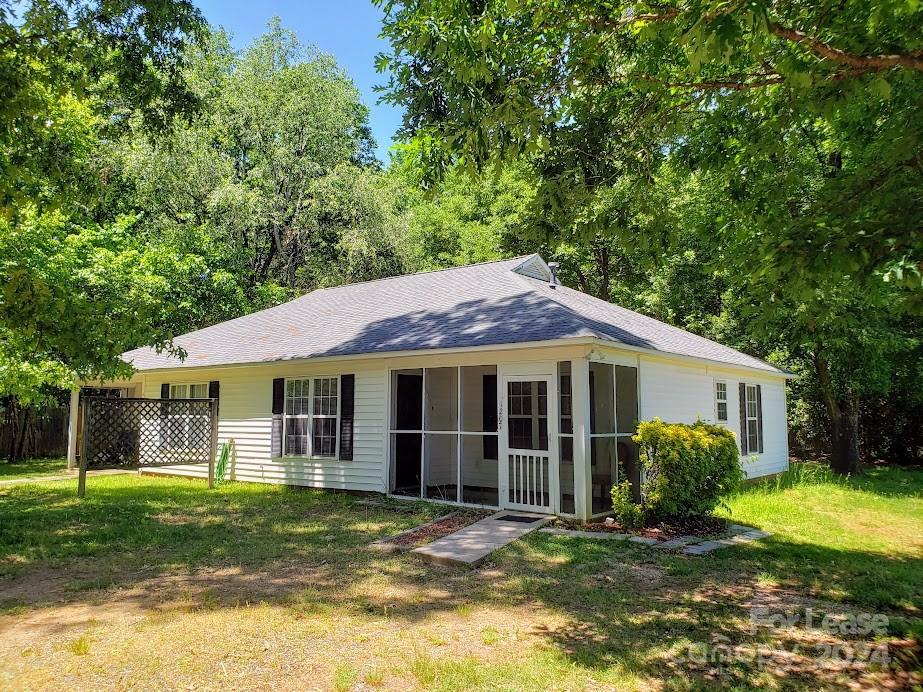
x=754, y=419
x=719, y=400
x=310, y=416
x=172, y=428
x=534, y=417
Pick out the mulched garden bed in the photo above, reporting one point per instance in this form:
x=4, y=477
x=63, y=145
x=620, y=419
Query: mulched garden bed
x=427, y=533
x=664, y=531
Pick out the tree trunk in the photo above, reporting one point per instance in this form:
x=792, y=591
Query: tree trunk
x=843, y=411
x=19, y=452
x=844, y=453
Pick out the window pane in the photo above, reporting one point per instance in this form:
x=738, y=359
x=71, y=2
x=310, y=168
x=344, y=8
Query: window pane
x=296, y=436
x=629, y=465
x=520, y=436
x=722, y=410
x=324, y=437
x=199, y=391
x=325, y=396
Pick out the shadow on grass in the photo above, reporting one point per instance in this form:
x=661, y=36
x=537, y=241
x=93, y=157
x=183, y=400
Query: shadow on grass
x=628, y=606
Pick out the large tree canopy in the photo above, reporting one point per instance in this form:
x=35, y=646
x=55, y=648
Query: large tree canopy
x=482, y=80
x=277, y=170
x=77, y=288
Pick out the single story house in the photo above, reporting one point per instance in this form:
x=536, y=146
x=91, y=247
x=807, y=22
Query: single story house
x=486, y=385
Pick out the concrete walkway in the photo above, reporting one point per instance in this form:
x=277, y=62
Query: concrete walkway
x=470, y=545
x=68, y=477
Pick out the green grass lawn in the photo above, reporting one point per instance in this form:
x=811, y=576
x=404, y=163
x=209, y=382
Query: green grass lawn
x=32, y=467
x=157, y=582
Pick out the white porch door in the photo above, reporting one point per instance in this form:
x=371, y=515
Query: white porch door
x=529, y=443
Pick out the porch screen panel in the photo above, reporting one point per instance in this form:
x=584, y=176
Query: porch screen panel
x=566, y=438
x=440, y=467
x=626, y=409
x=441, y=412
x=613, y=421
x=478, y=463
x=406, y=432
x=603, y=461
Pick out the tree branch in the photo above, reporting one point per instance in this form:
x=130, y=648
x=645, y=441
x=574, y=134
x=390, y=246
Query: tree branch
x=869, y=63
x=864, y=63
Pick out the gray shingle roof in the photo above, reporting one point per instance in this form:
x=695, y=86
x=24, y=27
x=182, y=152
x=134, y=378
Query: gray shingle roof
x=478, y=305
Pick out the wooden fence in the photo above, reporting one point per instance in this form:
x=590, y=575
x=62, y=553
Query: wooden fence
x=44, y=435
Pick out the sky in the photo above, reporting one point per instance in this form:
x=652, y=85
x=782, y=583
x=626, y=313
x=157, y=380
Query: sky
x=348, y=29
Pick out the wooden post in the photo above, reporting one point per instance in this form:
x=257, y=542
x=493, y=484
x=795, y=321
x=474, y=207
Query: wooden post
x=214, y=443
x=580, y=402
x=72, y=429
x=82, y=473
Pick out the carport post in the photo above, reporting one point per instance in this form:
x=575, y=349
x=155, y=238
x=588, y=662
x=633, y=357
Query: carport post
x=82, y=472
x=72, y=415
x=214, y=443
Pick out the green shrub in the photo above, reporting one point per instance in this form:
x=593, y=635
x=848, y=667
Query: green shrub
x=687, y=468
x=626, y=510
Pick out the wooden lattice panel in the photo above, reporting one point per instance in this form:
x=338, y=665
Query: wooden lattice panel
x=120, y=433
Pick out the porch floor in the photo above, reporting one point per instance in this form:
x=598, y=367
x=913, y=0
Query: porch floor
x=470, y=545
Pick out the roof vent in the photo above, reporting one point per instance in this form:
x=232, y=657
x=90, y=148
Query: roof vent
x=553, y=266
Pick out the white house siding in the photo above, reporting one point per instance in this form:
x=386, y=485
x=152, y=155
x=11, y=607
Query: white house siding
x=245, y=415
x=672, y=389
x=683, y=392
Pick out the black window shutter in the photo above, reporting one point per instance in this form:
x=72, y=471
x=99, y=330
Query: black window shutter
x=489, y=415
x=743, y=418
x=214, y=389
x=164, y=391
x=347, y=406
x=759, y=415
x=278, y=405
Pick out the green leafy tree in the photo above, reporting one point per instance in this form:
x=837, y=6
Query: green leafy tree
x=77, y=289
x=277, y=170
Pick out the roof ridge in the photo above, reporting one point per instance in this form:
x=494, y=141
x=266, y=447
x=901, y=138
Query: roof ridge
x=420, y=273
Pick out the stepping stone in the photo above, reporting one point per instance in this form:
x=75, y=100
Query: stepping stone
x=678, y=542
x=757, y=534
x=644, y=540
x=739, y=528
x=607, y=535
x=470, y=545
x=702, y=548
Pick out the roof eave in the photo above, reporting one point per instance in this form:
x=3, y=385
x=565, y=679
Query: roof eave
x=568, y=341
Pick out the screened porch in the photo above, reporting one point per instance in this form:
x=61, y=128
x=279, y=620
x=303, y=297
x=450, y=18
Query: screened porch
x=547, y=437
